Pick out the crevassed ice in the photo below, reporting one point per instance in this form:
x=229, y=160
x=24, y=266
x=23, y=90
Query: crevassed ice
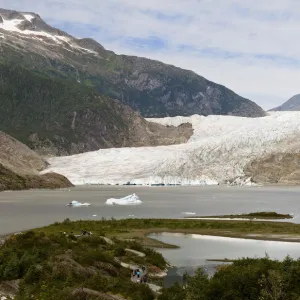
x=217, y=152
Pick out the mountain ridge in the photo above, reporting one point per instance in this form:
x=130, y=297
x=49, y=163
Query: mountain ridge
x=293, y=104
x=153, y=88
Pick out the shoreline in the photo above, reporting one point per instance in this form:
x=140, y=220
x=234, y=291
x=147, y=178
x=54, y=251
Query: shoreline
x=141, y=229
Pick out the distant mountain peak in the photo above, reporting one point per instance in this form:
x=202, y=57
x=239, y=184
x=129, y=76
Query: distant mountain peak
x=293, y=104
x=31, y=25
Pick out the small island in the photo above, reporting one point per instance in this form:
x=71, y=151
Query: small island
x=263, y=215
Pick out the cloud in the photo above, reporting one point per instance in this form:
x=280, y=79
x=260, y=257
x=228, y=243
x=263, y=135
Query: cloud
x=248, y=46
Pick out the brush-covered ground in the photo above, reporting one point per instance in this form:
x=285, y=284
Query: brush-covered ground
x=50, y=264
x=55, y=263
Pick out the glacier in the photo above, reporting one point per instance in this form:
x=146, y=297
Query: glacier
x=128, y=200
x=216, y=153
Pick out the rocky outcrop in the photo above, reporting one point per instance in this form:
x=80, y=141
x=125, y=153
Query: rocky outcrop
x=153, y=88
x=279, y=168
x=18, y=157
x=10, y=180
x=20, y=166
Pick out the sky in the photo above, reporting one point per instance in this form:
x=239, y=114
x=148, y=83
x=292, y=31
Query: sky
x=249, y=46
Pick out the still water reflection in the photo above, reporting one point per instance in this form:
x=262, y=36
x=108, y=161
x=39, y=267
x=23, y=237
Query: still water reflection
x=196, y=249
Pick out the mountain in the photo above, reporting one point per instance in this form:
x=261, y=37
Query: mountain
x=222, y=150
x=150, y=87
x=55, y=116
x=20, y=166
x=292, y=104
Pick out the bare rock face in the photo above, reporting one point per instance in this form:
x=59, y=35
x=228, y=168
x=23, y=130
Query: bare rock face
x=19, y=157
x=10, y=180
x=280, y=168
x=92, y=132
x=20, y=166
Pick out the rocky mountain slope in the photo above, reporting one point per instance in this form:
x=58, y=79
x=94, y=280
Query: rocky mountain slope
x=277, y=168
x=20, y=166
x=292, y=104
x=18, y=157
x=151, y=87
x=222, y=150
x=60, y=117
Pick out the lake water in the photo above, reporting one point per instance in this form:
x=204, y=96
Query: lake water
x=196, y=250
x=21, y=210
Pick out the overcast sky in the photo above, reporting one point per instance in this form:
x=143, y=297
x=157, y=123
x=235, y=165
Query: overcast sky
x=250, y=46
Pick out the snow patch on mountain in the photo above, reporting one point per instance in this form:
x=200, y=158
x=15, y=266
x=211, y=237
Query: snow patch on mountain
x=28, y=17
x=13, y=25
x=217, y=153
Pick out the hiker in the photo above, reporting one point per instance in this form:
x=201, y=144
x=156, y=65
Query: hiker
x=143, y=268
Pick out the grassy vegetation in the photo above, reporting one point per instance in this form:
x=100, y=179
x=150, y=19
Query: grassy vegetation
x=52, y=265
x=255, y=215
x=139, y=229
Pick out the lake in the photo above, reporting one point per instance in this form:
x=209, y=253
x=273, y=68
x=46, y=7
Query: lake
x=21, y=210
x=198, y=250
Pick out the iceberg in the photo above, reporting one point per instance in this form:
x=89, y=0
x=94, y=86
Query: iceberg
x=128, y=200
x=78, y=204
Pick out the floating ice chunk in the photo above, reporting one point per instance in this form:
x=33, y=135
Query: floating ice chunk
x=78, y=204
x=128, y=200
x=188, y=213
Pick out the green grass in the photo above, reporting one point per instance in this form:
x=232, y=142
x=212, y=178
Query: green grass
x=139, y=229
x=255, y=215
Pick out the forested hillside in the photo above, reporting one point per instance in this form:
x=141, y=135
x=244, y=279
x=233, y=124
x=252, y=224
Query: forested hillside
x=57, y=116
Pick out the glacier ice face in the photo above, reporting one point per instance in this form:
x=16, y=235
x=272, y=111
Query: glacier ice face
x=217, y=153
x=128, y=200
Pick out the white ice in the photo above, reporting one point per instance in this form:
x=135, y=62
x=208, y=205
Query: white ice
x=216, y=153
x=128, y=200
x=78, y=204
